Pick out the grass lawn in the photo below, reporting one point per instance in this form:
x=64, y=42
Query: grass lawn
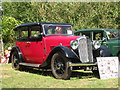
x=38, y=79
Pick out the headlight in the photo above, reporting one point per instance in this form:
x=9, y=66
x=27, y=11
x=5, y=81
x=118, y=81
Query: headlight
x=74, y=44
x=96, y=44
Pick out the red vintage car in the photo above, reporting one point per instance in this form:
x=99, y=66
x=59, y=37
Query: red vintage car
x=51, y=45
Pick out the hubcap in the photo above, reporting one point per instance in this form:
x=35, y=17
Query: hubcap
x=59, y=66
x=15, y=61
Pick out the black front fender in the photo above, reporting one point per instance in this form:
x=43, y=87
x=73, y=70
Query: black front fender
x=103, y=51
x=68, y=53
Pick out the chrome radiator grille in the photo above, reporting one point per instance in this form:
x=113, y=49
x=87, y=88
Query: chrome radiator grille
x=85, y=50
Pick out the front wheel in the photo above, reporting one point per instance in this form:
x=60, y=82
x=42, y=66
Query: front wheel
x=15, y=60
x=104, y=51
x=60, y=67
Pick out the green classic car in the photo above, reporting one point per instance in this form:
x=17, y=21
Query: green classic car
x=105, y=40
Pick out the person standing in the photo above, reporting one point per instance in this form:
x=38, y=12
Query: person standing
x=7, y=54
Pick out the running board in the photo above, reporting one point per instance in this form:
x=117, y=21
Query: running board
x=28, y=64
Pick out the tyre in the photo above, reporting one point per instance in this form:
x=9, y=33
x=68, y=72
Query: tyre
x=60, y=67
x=15, y=60
x=104, y=51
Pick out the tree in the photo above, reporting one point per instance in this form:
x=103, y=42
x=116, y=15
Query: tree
x=8, y=24
x=81, y=15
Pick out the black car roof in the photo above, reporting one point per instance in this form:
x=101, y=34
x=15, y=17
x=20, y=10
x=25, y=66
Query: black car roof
x=88, y=30
x=34, y=24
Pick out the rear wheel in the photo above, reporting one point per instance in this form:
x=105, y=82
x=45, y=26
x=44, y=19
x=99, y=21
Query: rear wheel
x=60, y=67
x=15, y=60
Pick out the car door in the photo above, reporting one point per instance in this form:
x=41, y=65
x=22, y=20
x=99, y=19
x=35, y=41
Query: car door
x=35, y=51
x=31, y=45
x=35, y=46
x=22, y=43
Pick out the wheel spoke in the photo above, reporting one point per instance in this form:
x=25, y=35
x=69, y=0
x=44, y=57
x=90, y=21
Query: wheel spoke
x=62, y=70
x=59, y=66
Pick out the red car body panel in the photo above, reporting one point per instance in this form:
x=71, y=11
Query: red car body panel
x=33, y=50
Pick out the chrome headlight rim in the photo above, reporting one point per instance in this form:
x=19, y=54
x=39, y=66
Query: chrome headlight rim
x=96, y=44
x=74, y=44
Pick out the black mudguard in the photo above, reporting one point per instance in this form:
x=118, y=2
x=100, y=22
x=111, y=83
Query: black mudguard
x=68, y=53
x=19, y=53
x=103, y=51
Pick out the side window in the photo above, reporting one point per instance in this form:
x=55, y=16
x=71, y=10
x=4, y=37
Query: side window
x=78, y=34
x=24, y=34
x=17, y=34
x=30, y=32
x=35, y=33
x=97, y=35
x=86, y=34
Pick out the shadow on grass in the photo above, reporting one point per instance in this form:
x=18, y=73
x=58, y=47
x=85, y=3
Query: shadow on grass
x=43, y=72
x=81, y=75
x=48, y=72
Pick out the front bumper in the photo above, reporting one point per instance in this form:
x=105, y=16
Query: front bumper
x=82, y=64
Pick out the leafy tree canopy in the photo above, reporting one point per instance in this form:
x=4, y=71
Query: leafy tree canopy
x=81, y=15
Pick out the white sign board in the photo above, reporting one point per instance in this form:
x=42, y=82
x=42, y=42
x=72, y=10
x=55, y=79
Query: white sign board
x=109, y=67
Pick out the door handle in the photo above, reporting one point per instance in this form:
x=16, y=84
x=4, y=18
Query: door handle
x=28, y=42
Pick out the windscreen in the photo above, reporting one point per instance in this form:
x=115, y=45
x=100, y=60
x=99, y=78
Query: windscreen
x=113, y=34
x=58, y=29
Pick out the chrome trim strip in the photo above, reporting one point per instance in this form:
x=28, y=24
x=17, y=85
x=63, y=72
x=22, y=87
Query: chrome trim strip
x=116, y=46
x=82, y=64
x=27, y=64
